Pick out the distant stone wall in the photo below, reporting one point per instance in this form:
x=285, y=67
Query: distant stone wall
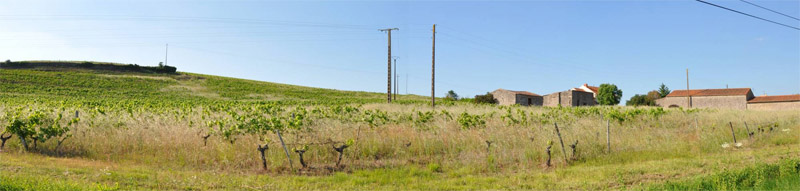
x=720, y=102
x=794, y=105
x=569, y=98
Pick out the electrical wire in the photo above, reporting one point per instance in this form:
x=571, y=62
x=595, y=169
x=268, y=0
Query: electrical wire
x=753, y=4
x=763, y=19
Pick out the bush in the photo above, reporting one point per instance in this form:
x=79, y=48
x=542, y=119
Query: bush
x=638, y=100
x=488, y=98
x=609, y=94
x=86, y=65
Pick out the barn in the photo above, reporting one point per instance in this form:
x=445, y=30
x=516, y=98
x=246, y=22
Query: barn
x=729, y=98
x=778, y=102
x=510, y=97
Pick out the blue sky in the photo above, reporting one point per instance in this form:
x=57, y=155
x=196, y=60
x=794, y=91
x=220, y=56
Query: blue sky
x=538, y=46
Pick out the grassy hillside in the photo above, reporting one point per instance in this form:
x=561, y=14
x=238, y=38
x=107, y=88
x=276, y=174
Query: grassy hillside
x=138, y=131
x=85, y=85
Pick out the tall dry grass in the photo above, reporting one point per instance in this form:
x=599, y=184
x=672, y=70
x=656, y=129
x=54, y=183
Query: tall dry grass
x=173, y=140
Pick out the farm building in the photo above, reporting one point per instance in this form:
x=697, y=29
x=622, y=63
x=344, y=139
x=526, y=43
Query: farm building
x=510, y=97
x=588, y=88
x=570, y=98
x=779, y=102
x=733, y=98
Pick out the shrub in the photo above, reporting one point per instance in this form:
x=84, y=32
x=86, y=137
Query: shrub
x=86, y=65
x=488, y=98
x=468, y=121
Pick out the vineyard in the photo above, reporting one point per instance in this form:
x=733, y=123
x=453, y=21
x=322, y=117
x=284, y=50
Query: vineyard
x=87, y=129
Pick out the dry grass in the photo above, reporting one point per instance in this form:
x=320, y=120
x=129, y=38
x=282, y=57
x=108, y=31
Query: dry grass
x=172, y=140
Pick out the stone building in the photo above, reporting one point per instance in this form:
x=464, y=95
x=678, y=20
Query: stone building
x=732, y=98
x=570, y=98
x=510, y=97
x=588, y=88
x=779, y=102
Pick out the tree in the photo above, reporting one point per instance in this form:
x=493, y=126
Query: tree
x=649, y=99
x=451, y=95
x=663, y=90
x=609, y=94
x=653, y=96
x=637, y=100
x=488, y=98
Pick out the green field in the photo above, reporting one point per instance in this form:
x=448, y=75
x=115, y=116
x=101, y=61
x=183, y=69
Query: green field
x=147, y=131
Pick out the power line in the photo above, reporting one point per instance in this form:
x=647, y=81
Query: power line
x=763, y=19
x=753, y=4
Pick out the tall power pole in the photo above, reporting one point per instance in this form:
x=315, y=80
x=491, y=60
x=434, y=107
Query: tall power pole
x=433, y=69
x=688, y=92
x=395, y=79
x=389, y=79
x=166, y=55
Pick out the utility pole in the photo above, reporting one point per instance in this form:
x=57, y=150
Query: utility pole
x=166, y=55
x=389, y=79
x=688, y=92
x=433, y=69
x=395, y=78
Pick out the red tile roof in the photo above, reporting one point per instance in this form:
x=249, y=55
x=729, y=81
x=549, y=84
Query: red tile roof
x=593, y=88
x=710, y=92
x=777, y=98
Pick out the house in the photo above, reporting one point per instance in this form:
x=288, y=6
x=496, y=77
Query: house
x=570, y=98
x=779, y=102
x=588, y=88
x=510, y=97
x=732, y=98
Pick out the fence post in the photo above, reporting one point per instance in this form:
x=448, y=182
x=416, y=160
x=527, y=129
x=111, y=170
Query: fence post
x=562, y=143
x=284, y=149
x=608, y=135
x=749, y=133
x=732, y=132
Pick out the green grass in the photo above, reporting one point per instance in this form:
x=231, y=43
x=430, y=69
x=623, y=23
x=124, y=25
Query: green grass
x=745, y=169
x=785, y=175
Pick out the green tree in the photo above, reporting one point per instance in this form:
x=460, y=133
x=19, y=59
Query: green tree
x=637, y=100
x=488, y=98
x=609, y=94
x=451, y=95
x=663, y=90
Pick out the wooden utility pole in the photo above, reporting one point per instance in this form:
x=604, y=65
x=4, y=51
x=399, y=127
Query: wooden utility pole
x=433, y=69
x=389, y=79
x=688, y=92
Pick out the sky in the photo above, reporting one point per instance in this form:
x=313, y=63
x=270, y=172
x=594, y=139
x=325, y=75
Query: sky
x=537, y=46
